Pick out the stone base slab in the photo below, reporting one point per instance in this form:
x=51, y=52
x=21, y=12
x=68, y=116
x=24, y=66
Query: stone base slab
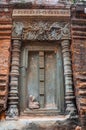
x=39, y=123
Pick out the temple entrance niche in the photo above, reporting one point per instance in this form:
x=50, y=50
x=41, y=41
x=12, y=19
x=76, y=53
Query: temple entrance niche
x=44, y=85
x=43, y=88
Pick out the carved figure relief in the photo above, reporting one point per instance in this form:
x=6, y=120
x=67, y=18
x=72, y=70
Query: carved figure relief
x=33, y=103
x=45, y=31
x=41, y=30
x=17, y=28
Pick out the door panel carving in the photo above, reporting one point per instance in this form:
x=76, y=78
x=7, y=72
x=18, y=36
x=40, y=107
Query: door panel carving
x=50, y=79
x=33, y=75
x=43, y=86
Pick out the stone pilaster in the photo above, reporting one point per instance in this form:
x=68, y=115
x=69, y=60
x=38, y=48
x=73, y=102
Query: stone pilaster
x=69, y=92
x=13, y=97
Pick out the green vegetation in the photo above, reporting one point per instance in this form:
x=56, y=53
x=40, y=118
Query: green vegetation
x=76, y=1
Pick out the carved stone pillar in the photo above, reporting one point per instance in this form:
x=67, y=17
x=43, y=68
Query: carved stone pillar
x=13, y=98
x=69, y=93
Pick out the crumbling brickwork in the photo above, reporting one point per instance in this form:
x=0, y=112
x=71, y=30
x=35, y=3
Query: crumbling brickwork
x=5, y=45
x=79, y=69
x=78, y=31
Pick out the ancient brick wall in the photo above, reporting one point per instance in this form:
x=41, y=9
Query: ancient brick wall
x=5, y=46
x=78, y=31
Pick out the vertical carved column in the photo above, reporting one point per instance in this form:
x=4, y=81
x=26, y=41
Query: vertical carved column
x=69, y=93
x=13, y=101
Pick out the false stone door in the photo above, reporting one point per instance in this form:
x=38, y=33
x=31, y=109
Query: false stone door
x=41, y=83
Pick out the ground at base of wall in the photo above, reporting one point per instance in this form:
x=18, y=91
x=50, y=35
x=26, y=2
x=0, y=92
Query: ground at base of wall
x=41, y=123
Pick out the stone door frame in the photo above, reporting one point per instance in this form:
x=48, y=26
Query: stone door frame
x=27, y=28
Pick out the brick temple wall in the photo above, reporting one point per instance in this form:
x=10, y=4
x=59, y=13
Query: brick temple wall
x=5, y=47
x=78, y=31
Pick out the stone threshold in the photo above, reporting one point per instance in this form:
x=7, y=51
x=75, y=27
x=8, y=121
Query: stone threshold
x=38, y=123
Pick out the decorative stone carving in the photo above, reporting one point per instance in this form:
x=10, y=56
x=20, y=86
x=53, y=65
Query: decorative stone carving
x=12, y=111
x=48, y=30
x=69, y=92
x=17, y=28
x=45, y=31
x=41, y=13
x=41, y=30
x=33, y=104
x=14, y=75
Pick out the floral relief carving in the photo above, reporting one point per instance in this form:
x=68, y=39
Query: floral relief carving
x=45, y=31
x=41, y=30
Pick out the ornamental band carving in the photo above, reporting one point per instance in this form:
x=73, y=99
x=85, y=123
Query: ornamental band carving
x=41, y=12
x=41, y=30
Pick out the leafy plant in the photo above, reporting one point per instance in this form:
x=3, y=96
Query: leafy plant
x=76, y=1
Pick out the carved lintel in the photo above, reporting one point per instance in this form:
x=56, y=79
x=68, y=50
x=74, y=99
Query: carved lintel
x=41, y=30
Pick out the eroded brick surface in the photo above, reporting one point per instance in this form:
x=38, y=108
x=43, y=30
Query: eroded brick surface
x=78, y=31
x=5, y=44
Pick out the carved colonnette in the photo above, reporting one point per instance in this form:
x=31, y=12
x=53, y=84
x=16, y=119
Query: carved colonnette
x=13, y=99
x=69, y=90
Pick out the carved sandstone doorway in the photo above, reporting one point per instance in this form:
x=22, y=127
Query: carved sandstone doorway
x=51, y=28
x=42, y=85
